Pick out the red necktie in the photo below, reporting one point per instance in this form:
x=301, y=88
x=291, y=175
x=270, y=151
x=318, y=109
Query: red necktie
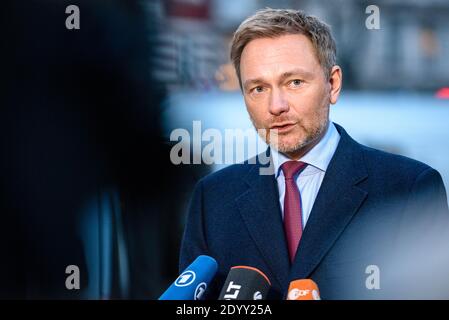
x=292, y=206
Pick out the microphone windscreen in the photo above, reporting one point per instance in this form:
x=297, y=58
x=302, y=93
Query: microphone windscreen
x=303, y=289
x=193, y=281
x=245, y=283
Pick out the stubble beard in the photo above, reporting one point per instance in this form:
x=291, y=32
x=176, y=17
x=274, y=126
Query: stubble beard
x=278, y=142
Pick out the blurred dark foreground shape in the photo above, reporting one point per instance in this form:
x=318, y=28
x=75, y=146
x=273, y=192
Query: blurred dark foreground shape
x=85, y=175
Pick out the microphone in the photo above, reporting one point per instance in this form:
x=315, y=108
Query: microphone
x=245, y=283
x=303, y=289
x=192, y=283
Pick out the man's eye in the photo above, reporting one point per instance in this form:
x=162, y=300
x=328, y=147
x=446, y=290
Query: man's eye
x=258, y=89
x=296, y=82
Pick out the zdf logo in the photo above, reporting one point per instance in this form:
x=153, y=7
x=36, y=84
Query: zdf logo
x=294, y=294
x=303, y=294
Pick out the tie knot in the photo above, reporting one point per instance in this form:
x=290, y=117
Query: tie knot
x=291, y=168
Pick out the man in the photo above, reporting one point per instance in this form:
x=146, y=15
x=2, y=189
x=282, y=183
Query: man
x=333, y=210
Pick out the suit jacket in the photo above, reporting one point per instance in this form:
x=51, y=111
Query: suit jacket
x=373, y=209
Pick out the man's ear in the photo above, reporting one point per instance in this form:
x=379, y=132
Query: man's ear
x=335, y=81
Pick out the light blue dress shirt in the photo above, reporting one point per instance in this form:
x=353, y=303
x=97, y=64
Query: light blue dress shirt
x=310, y=179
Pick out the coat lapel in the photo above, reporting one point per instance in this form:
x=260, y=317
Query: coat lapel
x=260, y=209
x=337, y=201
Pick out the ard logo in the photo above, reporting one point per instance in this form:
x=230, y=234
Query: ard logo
x=186, y=278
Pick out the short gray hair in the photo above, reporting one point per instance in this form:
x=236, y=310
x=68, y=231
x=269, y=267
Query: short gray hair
x=271, y=23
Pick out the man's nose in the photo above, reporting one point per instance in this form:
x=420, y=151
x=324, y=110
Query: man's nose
x=278, y=103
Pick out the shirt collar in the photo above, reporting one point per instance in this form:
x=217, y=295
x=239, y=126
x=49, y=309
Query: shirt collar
x=318, y=157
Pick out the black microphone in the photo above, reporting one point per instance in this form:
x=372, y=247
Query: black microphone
x=245, y=283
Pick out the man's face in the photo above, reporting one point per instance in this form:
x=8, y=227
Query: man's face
x=286, y=91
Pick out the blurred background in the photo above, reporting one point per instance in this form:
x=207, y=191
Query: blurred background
x=86, y=117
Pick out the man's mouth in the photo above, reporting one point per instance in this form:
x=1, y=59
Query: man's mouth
x=282, y=127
